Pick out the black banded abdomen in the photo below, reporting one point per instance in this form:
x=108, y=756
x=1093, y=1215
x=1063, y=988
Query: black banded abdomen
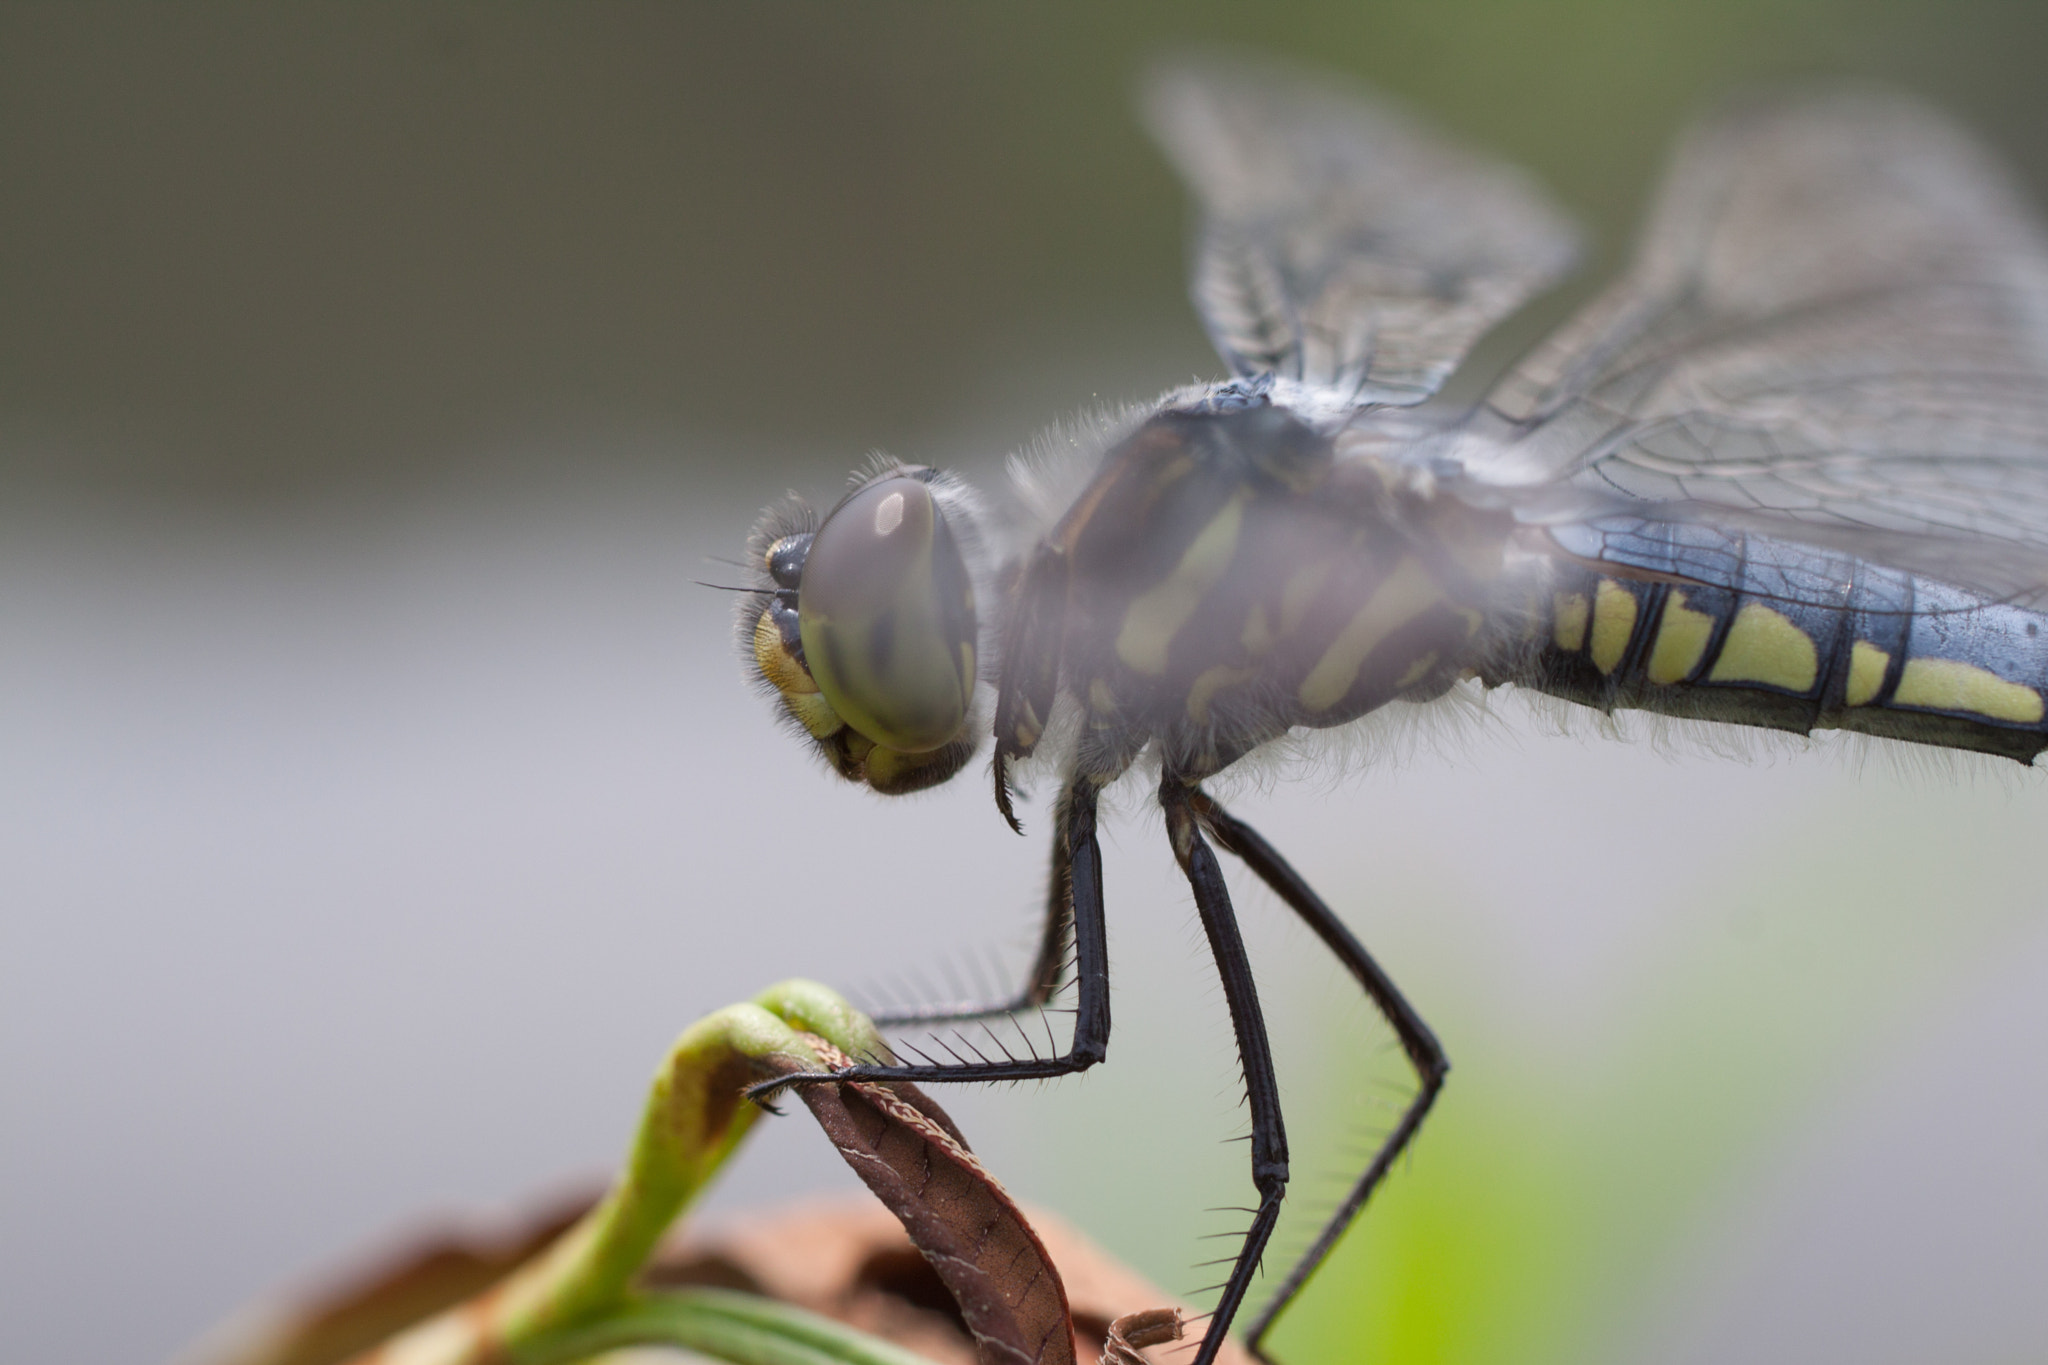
x=1716, y=625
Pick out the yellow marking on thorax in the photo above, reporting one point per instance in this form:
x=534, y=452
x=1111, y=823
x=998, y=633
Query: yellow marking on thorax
x=1208, y=683
x=1614, y=620
x=1950, y=685
x=1156, y=615
x=1867, y=665
x=1682, y=637
x=1257, y=636
x=1569, y=612
x=1407, y=593
x=1100, y=698
x=1029, y=726
x=1764, y=646
x=1160, y=476
x=1163, y=476
x=1417, y=671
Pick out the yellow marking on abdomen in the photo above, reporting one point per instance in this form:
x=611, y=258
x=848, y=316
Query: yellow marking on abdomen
x=1950, y=685
x=1867, y=665
x=1407, y=593
x=1156, y=615
x=1764, y=646
x=1208, y=683
x=1569, y=612
x=1614, y=620
x=1682, y=637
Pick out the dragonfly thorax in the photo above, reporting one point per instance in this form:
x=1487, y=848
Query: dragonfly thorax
x=1231, y=574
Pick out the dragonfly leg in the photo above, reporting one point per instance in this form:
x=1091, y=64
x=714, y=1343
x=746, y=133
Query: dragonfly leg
x=1424, y=1052
x=1048, y=967
x=1255, y=1054
x=1077, y=877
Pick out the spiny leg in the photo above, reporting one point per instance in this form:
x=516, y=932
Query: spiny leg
x=1077, y=865
x=1262, y=1089
x=1424, y=1053
x=1048, y=967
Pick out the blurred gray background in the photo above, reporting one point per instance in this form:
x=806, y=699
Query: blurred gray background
x=379, y=795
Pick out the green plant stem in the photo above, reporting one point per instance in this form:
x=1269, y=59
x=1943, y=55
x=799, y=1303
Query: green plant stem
x=577, y=1298
x=742, y=1328
x=695, y=1116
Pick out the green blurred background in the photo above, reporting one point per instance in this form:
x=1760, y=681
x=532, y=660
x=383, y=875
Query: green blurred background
x=260, y=251
x=378, y=795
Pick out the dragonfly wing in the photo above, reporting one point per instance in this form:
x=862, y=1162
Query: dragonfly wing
x=1835, y=330
x=1341, y=243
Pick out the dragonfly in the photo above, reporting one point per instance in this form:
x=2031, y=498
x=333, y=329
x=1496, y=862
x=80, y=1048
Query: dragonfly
x=1789, y=470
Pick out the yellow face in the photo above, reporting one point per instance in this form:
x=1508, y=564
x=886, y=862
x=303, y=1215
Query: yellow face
x=870, y=635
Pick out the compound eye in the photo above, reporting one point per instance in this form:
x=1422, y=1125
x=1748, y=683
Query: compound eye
x=886, y=613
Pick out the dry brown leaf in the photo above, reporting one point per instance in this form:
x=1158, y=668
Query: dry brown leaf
x=951, y=1268
x=910, y=1154
x=348, y=1312
x=849, y=1259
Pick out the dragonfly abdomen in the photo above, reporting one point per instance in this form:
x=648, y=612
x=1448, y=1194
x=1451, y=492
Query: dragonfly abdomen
x=1718, y=625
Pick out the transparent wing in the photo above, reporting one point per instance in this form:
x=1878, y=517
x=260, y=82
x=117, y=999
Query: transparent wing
x=1835, y=330
x=1341, y=244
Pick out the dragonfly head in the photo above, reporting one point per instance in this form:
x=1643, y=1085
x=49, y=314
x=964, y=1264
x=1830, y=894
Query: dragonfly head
x=863, y=626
